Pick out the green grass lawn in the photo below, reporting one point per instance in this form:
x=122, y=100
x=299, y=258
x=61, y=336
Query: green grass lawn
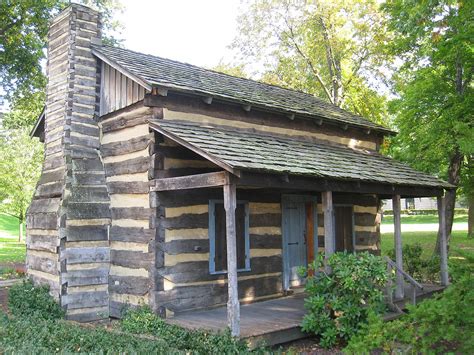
x=420, y=219
x=428, y=241
x=10, y=250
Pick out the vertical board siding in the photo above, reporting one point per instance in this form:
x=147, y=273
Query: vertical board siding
x=118, y=91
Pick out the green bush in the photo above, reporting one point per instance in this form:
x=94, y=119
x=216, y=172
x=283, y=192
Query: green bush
x=143, y=321
x=28, y=300
x=338, y=303
x=438, y=325
x=423, y=270
x=30, y=335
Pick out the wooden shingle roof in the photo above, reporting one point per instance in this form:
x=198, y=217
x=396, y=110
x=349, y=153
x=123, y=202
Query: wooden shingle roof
x=261, y=152
x=155, y=71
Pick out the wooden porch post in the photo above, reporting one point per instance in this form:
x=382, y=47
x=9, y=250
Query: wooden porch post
x=399, y=290
x=443, y=241
x=233, y=307
x=329, y=230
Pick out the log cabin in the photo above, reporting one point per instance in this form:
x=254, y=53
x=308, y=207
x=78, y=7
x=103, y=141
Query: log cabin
x=180, y=188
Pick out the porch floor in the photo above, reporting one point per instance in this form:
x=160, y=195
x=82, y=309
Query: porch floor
x=274, y=321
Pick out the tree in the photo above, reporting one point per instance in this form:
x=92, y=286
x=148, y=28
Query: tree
x=328, y=48
x=23, y=30
x=433, y=40
x=20, y=168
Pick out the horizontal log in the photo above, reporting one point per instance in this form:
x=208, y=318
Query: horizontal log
x=96, y=276
x=125, y=147
x=131, y=285
x=89, y=194
x=85, y=299
x=265, y=220
x=202, y=296
x=132, y=259
x=49, y=190
x=85, y=210
x=365, y=219
x=42, y=242
x=268, y=241
x=49, y=205
x=42, y=221
x=367, y=238
x=198, y=271
x=186, y=246
x=43, y=264
x=190, y=182
x=131, y=234
x=129, y=120
x=186, y=221
x=87, y=164
x=86, y=255
x=88, y=179
x=52, y=176
x=131, y=166
x=139, y=213
x=128, y=187
x=86, y=233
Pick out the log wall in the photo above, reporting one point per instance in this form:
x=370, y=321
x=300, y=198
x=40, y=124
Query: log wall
x=193, y=109
x=127, y=148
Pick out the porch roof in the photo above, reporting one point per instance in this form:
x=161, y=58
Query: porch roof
x=235, y=149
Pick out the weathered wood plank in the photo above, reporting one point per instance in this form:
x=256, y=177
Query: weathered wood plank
x=128, y=187
x=399, y=290
x=131, y=166
x=131, y=285
x=86, y=233
x=131, y=234
x=86, y=255
x=125, y=147
x=190, y=182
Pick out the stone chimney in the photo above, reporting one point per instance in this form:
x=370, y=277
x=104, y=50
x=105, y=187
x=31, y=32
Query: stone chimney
x=69, y=218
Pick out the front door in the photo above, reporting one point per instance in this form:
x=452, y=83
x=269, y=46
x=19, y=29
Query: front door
x=294, y=239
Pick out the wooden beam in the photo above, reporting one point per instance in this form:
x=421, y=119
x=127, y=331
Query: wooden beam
x=233, y=306
x=195, y=149
x=303, y=183
x=443, y=241
x=190, y=182
x=291, y=116
x=310, y=242
x=399, y=290
x=160, y=91
x=329, y=228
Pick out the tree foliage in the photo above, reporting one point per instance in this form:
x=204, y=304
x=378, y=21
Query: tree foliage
x=434, y=111
x=23, y=37
x=20, y=168
x=328, y=48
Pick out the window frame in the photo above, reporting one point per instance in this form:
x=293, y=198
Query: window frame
x=212, y=237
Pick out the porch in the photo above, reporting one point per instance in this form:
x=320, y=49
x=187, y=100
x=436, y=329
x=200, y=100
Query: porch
x=275, y=321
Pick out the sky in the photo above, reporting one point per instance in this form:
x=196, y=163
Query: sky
x=195, y=32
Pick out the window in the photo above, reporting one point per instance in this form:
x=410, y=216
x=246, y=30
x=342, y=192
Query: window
x=217, y=237
x=344, y=228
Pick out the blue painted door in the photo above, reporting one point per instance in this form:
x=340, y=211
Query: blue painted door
x=295, y=253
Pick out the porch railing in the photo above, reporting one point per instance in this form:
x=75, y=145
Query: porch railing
x=415, y=285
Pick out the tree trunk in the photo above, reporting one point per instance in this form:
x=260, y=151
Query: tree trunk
x=20, y=231
x=470, y=216
x=454, y=173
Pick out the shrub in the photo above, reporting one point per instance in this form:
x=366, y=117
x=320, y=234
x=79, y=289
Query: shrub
x=439, y=325
x=27, y=335
x=424, y=270
x=338, y=303
x=26, y=299
x=142, y=320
